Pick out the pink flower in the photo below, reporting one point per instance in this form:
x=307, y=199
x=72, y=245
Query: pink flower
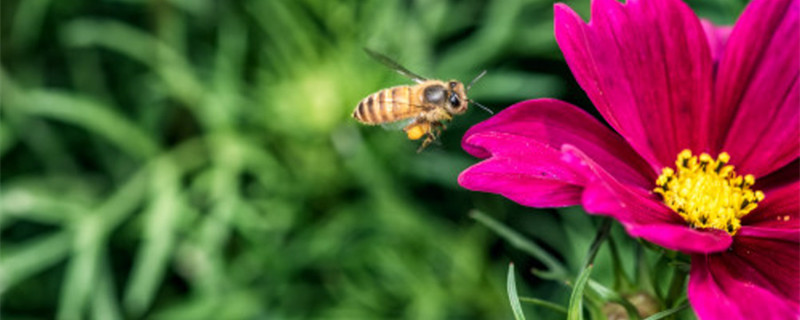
x=719, y=108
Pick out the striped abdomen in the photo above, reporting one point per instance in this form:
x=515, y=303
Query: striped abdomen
x=388, y=105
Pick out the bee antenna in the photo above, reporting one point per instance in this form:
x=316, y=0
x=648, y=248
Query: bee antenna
x=476, y=79
x=482, y=106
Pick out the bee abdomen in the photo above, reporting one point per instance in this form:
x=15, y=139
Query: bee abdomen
x=384, y=106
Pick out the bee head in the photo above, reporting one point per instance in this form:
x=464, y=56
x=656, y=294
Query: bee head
x=457, y=97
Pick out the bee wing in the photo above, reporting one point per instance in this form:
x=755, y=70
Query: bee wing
x=398, y=125
x=395, y=66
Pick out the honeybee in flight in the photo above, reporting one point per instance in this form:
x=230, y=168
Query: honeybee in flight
x=424, y=107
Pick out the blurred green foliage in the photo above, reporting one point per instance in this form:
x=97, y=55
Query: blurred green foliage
x=195, y=159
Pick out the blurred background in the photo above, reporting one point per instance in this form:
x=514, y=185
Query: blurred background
x=196, y=159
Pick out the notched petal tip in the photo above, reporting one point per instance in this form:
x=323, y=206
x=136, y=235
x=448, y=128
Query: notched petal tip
x=522, y=169
x=473, y=146
x=562, y=11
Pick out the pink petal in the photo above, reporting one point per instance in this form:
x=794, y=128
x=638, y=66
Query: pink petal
x=758, y=279
x=647, y=67
x=717, y=38
x=523, y=170
x=780, y=233
x=757, y=91
x=551, y=124
x=789, y=174
x=780, y=209
x=642, y=214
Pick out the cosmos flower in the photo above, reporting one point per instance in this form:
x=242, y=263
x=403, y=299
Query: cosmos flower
x=703, y=156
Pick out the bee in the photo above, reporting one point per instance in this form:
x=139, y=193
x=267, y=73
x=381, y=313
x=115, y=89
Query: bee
x=422, y=108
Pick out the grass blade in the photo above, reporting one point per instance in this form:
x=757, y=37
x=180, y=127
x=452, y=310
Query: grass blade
x=100, y=119
x=172, y=67
x=153, y=256
x=79, y=280
x=668, y=312
x=104, y=303
x=512, y=294
x=575, y=309
x=32, y=257
x=554, y=268
x=544, y=303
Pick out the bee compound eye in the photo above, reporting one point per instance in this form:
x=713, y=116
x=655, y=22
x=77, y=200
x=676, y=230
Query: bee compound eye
x=454, y=101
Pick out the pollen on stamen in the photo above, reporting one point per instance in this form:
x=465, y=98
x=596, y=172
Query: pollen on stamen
x=707, y=192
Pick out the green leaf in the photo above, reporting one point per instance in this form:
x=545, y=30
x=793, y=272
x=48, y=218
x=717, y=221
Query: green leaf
x=153, y=256
x=683, y=266
x=621, y=280
x=544, y=303
x=8, y=138
x=580, y=231
x=91, y=115
x=174, y=70
x=677, y=287
x=82, y=268
x=104, y=300
x=512, y=294
x=643, y=273
x=35, y=255
x=28, y=22
x=668, y=312
x=555, y=271
x=575, y=309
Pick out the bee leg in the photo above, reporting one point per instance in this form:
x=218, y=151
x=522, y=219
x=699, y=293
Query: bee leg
x=439, y=126
x=429, y=138
x=434, y=130
x=437, y=132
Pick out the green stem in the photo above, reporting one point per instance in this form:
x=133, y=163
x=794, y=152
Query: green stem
x=676, y=286
x=602, y=235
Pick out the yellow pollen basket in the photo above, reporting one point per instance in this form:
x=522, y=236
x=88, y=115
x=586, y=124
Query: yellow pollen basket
x=707, y=193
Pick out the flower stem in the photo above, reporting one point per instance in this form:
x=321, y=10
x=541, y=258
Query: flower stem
x=602, y=235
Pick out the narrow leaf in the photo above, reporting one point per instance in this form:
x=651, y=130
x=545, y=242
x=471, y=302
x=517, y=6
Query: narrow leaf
x=643, y=273
x=25, y=260
x=153, y=256
x=544, y=303
x=554, y=268
x=683, y=266
x=621, y=280
x=668, y=312
x=512, y=294
x=575, y=310
x=104, y=300
x=93, y=116
x=80, y=276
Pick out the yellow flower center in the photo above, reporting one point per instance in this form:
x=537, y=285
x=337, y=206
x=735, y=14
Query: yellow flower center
x=708, y=193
